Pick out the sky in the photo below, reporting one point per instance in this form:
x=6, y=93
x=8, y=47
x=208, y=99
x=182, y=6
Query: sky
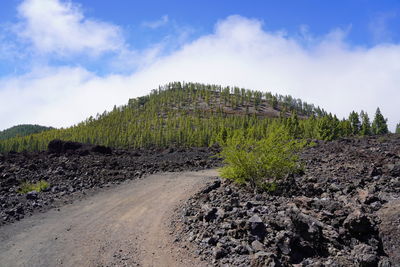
x=62, y=61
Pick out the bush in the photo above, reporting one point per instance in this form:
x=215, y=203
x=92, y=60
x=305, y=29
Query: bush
x=28, y=187
x=254, y=162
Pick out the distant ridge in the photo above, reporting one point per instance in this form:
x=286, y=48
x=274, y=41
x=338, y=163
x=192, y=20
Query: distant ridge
x=22, y=130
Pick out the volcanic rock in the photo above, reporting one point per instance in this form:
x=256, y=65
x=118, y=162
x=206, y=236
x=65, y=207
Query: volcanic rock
x=342, y=211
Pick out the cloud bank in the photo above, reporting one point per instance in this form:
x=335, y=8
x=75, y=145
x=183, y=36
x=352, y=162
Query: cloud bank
x=61, y=28
x=324, y=70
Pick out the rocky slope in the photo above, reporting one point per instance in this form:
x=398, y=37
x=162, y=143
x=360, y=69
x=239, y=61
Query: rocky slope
x=73, y=170
x=343, y=211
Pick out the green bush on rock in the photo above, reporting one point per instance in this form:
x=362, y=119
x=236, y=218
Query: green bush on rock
x=256, y=162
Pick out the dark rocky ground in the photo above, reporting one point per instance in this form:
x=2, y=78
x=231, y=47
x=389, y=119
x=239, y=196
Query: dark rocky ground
x=343, y=211
x=74, y=170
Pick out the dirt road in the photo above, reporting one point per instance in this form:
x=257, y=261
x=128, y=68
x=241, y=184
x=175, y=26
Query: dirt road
x=122, y=226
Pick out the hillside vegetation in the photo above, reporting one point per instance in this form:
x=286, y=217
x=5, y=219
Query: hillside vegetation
x=193, y=115
x=22, y=130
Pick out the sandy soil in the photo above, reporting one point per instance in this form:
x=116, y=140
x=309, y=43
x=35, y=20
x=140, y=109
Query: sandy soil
x=123, y=226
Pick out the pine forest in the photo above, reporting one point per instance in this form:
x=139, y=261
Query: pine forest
x=192, y=114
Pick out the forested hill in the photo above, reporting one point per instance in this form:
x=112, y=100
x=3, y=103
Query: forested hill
x=22, y=130
x=192, y=114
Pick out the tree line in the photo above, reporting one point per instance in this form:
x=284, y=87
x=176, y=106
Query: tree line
x=193, y=114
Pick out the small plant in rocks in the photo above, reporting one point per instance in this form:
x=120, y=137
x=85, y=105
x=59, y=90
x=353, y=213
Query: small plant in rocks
x=27, y=187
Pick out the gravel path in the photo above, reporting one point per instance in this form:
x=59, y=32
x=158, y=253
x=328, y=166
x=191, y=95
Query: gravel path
x=123, y=226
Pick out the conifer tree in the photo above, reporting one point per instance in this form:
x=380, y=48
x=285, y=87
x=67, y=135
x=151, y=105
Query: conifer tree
x=293, y=126
x=365, y=124
x=354, y=122
x=309, y=127
x=274, y=102
x=379, y=125
x=398, y=128
x=328, y=128
x=345, y=128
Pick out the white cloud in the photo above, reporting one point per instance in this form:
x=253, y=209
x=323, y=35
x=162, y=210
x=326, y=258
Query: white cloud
x=59, y=27
x=157, y=23
x=328, y=72
x=58, y=96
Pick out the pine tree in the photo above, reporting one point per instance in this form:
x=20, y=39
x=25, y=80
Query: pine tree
x=274, y=102
x=365, y=124
x=328, y=128
x=355, y=123
x=310, y=126
x=398, y=128
x=379, y=125
x=345, y=128
x=293, y=126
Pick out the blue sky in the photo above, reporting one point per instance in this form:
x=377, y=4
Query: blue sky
x=320, y=16
x=54, y=54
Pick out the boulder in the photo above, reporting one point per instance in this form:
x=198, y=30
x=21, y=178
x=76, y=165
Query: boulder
x=59, y=146
x=389, y=230
x=257, y=245
x=32, y=195
x=393, y=169
x=210, y=214
x=359, y=225
x=55, y=146
x=264, y=259
x=365, y=255
x=257, y=227
x=219, y=252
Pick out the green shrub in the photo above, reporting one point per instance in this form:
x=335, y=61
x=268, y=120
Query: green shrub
x=28, y=187
x=256, y=162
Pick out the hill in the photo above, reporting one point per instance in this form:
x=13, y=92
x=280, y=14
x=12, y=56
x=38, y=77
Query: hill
x=22, y=130
x=191, y=115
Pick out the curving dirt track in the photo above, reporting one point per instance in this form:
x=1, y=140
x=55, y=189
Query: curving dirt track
x=123, y=226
